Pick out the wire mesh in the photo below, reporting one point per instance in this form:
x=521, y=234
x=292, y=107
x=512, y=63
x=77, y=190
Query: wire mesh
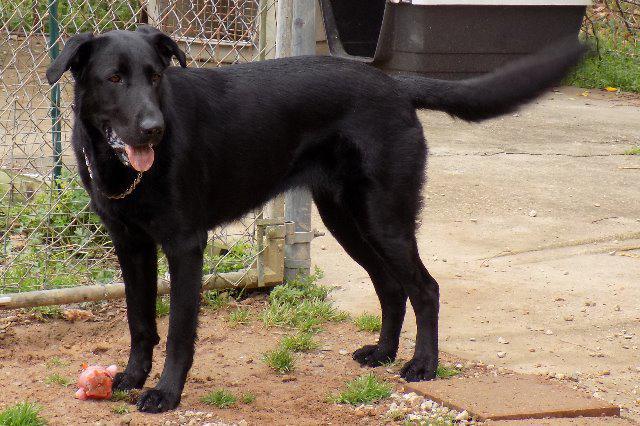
x=49, y=238
x=614, y=25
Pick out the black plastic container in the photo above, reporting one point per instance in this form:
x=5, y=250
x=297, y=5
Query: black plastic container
x=447, y=38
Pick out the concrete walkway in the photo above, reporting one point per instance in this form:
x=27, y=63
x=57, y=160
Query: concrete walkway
x=531, y=225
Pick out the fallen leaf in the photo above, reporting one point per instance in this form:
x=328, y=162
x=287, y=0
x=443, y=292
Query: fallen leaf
x=611, y=89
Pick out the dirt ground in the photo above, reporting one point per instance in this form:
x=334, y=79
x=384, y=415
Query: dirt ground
x=227, y=358
x=531, y=225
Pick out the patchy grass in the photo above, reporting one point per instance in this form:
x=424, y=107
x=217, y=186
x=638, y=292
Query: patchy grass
x=57, y=362
x=216, y=299
x=235, y=259
x=633, y=151
x=121, y=395
x=239, y=316
x=444, y=372
x=22, y=414
x=163, y=306
x=58, y=379
x=46, y=312
x=302, y=304
x=301, y=342
x=219, y=398
x=120, y=409
x=368, y=322
x=365, y=389
x=248, y=398
x=280, y=360
x=616, y=65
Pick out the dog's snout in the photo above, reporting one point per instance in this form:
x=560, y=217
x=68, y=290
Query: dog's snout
x=151, y=127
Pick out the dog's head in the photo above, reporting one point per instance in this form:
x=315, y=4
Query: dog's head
x=119, y=77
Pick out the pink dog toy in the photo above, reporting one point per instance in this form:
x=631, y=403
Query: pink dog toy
x=95, y=382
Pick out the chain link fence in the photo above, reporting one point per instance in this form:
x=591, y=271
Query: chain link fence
x=49, y=238
x=614, y=19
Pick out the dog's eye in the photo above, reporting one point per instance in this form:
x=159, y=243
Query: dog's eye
x=155, y=77
x=115, y=78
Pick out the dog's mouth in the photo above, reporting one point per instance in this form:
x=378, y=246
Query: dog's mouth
x=138, y=157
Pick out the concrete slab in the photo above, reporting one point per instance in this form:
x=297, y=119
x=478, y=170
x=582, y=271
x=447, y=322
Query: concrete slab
x=513, y=397
x=583, y=421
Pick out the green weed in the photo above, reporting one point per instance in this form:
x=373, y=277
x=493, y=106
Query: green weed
x=445, y=372
x=22, y=414
x=239, y=316
x=280, y=360
x=299, y=343
x=120, y=409
x=248, y=398
x=365, y=389
x=121, y=395
x=368, y=322
x=216, y=299
x=163, y=306
x=57, y=362
x=301, y=304
x=219, y=398
x=46, y=312
x=58, y=379
x=617, y=64
x=633, y=151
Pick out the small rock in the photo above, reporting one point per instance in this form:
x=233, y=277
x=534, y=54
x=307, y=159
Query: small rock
x=288, y=378
x=503, y=341
x=532, y=350
x=549, y=332
x=533, y=213
x=462, y=416
x=343, y=352
x=501, y=354
x=617, y=308
x=569, y=318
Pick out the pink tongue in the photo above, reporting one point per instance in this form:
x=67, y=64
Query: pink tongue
x=141, y=157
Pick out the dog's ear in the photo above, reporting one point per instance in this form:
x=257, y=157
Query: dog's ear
x=164, y=45
x=70, y=57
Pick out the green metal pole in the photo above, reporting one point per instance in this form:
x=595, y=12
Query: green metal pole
x=56, y=127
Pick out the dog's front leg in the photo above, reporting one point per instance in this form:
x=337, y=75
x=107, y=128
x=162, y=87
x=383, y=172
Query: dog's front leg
x=185, y=266
x=138, y=258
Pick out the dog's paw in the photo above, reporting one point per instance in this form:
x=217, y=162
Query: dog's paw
x=373, y=356
x=419, y=369
x=125, y=381
x=157, y=401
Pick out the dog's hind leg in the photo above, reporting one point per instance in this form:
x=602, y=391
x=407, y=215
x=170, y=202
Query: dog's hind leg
x=344, y=228
x=394, y=240
x=137, y=254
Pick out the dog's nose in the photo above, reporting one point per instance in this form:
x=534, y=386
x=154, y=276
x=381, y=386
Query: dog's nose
x=151, y=127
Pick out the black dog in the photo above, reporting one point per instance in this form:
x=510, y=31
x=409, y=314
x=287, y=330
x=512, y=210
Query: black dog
x=216, y=143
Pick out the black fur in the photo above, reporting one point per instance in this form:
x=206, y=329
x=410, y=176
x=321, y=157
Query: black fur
x=229, y=139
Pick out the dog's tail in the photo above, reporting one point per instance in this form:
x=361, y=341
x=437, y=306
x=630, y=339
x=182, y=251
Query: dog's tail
x=499, y=92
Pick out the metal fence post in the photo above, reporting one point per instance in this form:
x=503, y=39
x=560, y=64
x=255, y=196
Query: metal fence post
x=56, y=126
x=297, y=258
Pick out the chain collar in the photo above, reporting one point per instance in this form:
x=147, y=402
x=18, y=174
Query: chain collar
x=122, y=195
